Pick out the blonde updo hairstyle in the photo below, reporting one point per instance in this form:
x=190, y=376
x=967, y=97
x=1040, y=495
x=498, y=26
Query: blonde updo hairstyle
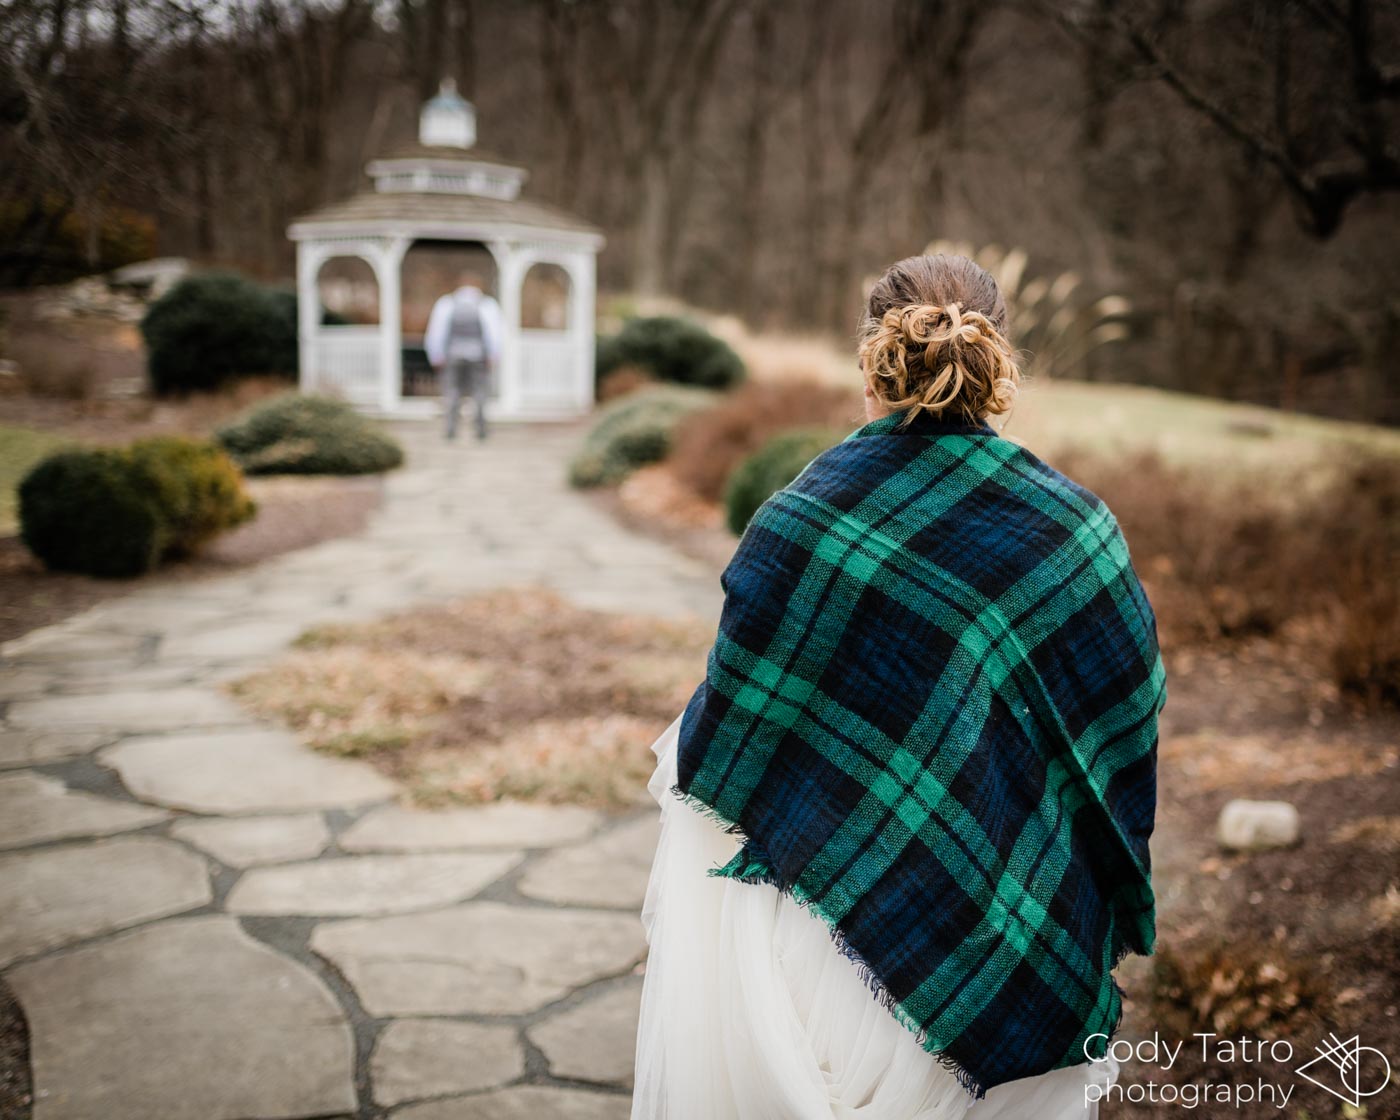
x=932, y=339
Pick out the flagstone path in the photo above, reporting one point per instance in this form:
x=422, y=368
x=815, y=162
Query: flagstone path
x=204, y=920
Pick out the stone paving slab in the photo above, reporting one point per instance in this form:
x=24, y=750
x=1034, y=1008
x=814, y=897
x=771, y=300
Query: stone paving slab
x=56, y=896
x=34, y=809
x=500, y=824
x=247, y=841
x=481, y=957
x=149, y=710
x=245, y=771
x=122, y=680
x=415, y=1059
x=246, y=639
x=31, y=748
x=525, y=1102
x=72, y=639
x=597, y=1039
x=368, y=885
x=610, y=870
x=189, y=1018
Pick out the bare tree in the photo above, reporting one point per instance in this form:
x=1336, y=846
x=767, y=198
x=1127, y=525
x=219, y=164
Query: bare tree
x=1327, y=129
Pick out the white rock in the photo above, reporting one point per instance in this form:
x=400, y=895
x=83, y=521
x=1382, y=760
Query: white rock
x=1258, y=825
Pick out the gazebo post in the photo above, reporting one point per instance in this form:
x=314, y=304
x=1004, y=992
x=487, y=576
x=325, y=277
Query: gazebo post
x=510, y=274
x=389, y=273
x=582, y=274
x=308, y=313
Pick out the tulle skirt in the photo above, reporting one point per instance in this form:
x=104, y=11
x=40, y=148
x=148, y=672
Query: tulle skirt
x=750, y=1012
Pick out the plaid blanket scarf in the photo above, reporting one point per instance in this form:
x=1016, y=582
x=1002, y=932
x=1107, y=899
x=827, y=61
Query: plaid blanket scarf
x=930, y=713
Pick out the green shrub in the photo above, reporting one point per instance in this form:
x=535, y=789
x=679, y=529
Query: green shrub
x=86, y=511
x=671, y=349
x=199, y=489
x=118, y=511
x=770, y=468
x=210, y=329
x=300, y=434
x=631, y=432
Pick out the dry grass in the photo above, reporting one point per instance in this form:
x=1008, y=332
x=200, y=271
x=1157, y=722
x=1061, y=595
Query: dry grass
x=513, y=693
x=1253, y=556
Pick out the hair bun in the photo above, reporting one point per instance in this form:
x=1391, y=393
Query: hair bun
x=940, y=359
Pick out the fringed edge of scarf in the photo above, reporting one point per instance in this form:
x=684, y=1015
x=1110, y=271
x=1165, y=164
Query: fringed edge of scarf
x=759, y=871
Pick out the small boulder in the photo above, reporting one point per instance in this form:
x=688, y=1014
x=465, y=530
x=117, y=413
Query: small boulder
x=1257, y=826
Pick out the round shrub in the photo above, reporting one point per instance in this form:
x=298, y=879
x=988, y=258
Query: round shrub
x=631, y=432
x=301, y=434
x=671, y=349
x=770, y=468
x=198, y=488
x=212, y=328
x=87, y=511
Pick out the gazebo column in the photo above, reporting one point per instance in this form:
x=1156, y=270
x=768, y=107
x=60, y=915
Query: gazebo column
x=583, y=278
x=510, y=274
x=389, y=273
x=309, y=260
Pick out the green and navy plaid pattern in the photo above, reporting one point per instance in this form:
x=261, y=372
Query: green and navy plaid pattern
x=931, y=714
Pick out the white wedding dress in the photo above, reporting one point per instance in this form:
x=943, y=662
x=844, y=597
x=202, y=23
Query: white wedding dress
x=750, y=1012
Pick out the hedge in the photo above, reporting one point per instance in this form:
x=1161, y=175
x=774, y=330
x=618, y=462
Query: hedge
x=631, y=432
x=210, y=329
x=307, y=434
x=671, y=349
x=770, y=468
x=118, y=511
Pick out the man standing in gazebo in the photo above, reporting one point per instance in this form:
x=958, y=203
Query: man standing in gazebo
x=463, y=342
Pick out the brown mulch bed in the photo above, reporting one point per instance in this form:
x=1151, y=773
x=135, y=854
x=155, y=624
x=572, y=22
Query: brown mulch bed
x=293, y=512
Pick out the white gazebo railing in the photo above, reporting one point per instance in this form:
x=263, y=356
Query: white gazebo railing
x=345, y=362
x=551, y=379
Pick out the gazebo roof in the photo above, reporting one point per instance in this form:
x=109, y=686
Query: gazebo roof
x=443, y=186
x=424, y=213
x=445, y=152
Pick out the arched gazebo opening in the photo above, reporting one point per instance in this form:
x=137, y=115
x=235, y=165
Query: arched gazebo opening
x=430, y=269
x=348, y=292
x=439, y=202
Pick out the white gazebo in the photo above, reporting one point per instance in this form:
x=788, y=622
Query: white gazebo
x=443, y=189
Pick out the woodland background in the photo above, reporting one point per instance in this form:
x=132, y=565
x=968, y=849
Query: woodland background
x=1230, y=166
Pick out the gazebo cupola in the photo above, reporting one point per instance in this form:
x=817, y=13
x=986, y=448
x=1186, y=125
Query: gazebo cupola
x=447, y=120
x=445, y=189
